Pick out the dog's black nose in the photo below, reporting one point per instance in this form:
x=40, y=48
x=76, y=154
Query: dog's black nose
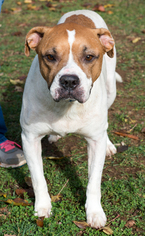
x=69, y=82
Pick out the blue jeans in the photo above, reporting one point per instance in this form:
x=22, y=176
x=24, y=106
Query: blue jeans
x=1, y=2
x=3, y=128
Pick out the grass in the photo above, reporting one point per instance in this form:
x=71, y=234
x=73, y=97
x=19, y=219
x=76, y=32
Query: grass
x=123, y=176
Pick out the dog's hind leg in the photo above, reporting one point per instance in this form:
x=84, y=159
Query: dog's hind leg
x=111, y=149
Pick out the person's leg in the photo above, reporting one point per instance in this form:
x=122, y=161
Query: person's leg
x=11, y=154
x=3, y=128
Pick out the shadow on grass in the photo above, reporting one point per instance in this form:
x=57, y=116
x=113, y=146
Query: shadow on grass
x=68, y=169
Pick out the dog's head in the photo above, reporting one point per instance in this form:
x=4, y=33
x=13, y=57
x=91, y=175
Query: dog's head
x=70, y=57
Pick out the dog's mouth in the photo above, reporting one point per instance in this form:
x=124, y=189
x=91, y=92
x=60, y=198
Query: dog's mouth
x=69, y=95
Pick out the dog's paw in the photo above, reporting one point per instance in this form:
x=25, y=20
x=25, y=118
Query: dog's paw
x=97, y=219
x=53, y=138
x=43, y=209
x=111, y=149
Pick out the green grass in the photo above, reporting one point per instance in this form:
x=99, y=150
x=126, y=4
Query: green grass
x=123, y=188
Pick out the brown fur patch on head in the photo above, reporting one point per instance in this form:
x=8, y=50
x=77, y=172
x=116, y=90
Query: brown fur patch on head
x=54, y=43
x=81, y=20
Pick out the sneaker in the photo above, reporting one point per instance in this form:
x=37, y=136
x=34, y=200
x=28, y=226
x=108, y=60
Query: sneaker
x=11, y=155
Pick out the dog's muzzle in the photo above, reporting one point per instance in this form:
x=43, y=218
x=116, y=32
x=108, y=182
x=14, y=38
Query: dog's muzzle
x=69, y=88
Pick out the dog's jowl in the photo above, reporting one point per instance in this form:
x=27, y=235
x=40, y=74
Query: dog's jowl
x=69, y=88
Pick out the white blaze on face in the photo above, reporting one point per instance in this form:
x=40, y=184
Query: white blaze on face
x=72, y=68
x=71, y=38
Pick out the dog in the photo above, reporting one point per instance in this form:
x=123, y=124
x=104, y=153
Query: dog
x=69, y=89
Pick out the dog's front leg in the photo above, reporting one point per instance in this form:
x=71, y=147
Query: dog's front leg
x=96, y=157
x=32, y=152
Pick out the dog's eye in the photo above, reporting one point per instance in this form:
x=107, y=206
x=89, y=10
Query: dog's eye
x=50, y=57
x=89, y=58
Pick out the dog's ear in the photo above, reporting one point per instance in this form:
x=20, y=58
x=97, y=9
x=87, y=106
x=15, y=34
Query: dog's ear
x=106, y=40
x=33, y=38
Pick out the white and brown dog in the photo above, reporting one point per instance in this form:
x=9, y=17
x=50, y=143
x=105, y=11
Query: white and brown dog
x=70, y=86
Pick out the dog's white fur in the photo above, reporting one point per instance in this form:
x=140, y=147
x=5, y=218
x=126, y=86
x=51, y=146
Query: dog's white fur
x=41, y=116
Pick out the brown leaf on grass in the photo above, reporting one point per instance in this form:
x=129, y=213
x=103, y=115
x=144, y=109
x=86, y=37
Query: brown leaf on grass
x=136, y=40
x=17, y=202
x=107, y=230
x=5, y=11
x=32, y=7
x=126, y=135
x=21, y=192
x=39, y=221
x=48, y=4
x=110, y=12
x=81, y=224
x=28, y=181
x=16, y=10
x=18, y=89
x=18, y=33
x=98, y=7
x=143, y=31
x=56, y=198
x=130, y=223
x=17, y=81
x=19, y=3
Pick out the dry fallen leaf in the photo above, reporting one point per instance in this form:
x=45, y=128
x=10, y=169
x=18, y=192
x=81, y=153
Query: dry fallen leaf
x=109, y=5
x=16, y=81
x=19, y=3
x=130, y=223
x=18, y=33
x=136, y=40
x=17, y=202
x=39, y=221
x=56, y=198
x=31, y=7
x=107, y=230
x=16, y=10
x=81, y=224
x=28, y=181
x=20, y=192
x=18, y=89
x=110, y=12
x=28, y=1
